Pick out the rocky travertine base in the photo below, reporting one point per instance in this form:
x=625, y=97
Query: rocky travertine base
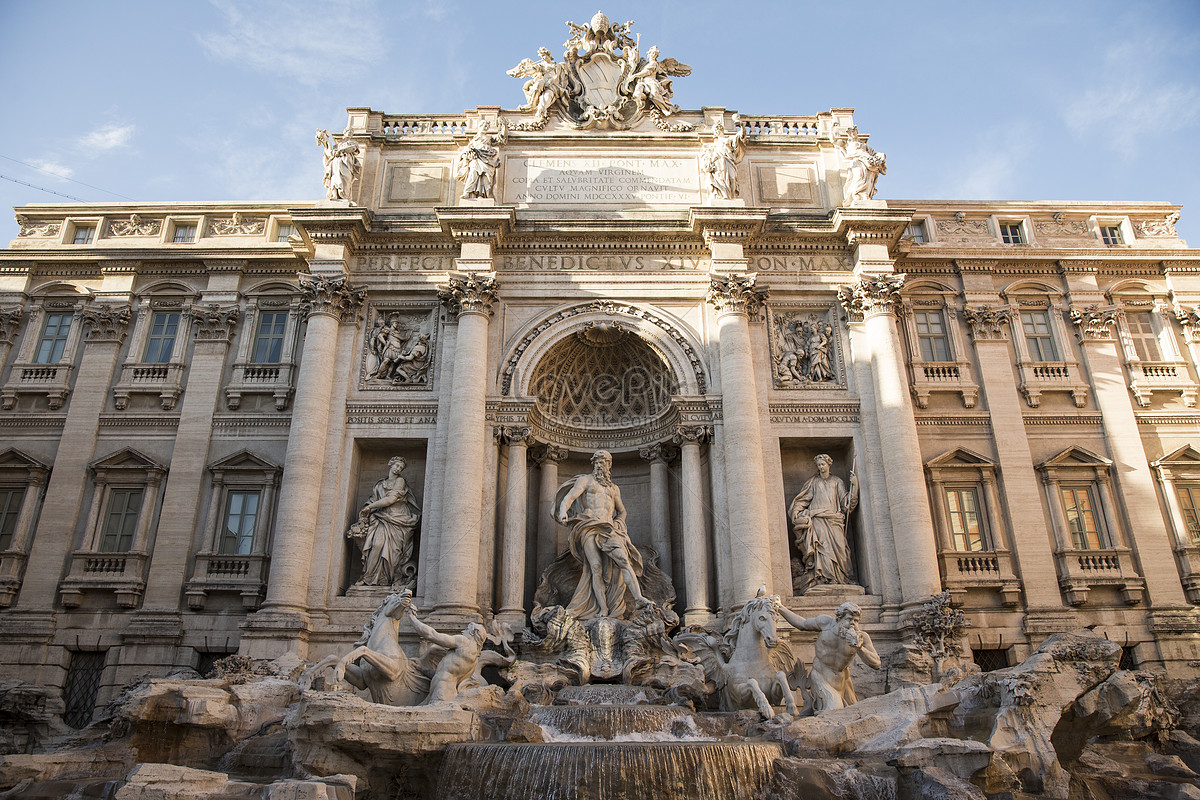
x=1065, y=724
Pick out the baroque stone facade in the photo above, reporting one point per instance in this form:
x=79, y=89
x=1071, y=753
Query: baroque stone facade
x=203, y=399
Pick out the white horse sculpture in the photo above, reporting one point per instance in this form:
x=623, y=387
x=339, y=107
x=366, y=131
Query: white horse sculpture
x=760, y=670
x=378, y=663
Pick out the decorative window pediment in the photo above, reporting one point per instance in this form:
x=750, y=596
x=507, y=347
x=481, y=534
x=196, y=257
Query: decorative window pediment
x=1076, y=456
x=960, y=457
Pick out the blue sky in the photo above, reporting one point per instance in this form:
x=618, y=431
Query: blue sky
x=196, y=101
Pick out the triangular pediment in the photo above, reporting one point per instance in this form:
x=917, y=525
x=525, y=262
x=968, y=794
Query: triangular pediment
x=126, y=458
x=960, y=457
x=12, y=458
x=1077, y=457
x=1184, y=456
x=243, y=459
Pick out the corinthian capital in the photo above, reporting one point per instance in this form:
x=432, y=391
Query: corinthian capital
x=697, y=434
x=1189, y=318
x=871, y=296
x=215, y=323
x=107, y=323
x=1095, y=322
x=987, y=322
x=736, y=294
x=331, y=296
x=469, y=293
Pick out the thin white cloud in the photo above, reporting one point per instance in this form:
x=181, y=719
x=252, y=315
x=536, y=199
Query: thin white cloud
x=992, y=169
x=308, y=43
x=108, y=137
x=52, y=167
x=1131, y=97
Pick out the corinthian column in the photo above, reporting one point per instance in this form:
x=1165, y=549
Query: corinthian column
x=329, y=303
x=695, y=548
x=552, y=537
x=660, y=511
x=736, y=298
x=469, y=296
x=512, y=564
x=873, y=301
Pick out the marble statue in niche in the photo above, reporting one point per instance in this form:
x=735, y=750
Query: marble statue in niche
x=839, y=641
x=803, y=350
x=478, y=161
x=719, y=159
x=863, y=165
x=385, y=531
x=818, y=515
x=398, y=350
x=343, y=164
x=600, y=542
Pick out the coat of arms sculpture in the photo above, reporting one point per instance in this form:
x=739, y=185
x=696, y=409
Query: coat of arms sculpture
x=603, y=81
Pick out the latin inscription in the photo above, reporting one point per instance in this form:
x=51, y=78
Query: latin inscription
x=606, y=180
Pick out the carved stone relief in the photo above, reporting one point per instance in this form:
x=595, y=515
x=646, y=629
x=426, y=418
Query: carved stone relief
x=134, y=226
x=1057, y=226
x=1157, y=228
x=805, y=348
x=960, y=226
x=398, y=348
x=36, y=228
x=236, y=225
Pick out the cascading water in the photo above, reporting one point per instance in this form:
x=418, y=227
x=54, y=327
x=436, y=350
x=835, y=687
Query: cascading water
x=615, y=752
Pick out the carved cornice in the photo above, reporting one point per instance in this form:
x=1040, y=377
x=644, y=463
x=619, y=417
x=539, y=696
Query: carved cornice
x=736, y=294
x=987, y=322
x=1080, y=266
x=871, y=296
x=465, y=224
x=469, y=293
x=728, y=225
x=1096, y=323
x=215, y=323
x=10, y=322
x=331, y=296
x=657, y=452
x=107, y=323
x=693, y=434
x=346, y=226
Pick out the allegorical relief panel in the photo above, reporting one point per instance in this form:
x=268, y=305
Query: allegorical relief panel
x=806, y=351
x=399, y=347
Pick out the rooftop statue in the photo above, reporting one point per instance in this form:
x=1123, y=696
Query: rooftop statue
x=478, y=161
x=343, y=165
x=603, y=80
x=863, y=167
x=720, y=157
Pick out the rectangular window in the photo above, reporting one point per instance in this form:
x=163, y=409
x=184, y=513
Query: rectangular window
x=83, y=234
x=1011, y=233
x=120, y=522
x=184, y=233
x=916, y=231
x=1081, y=517
x=1189, y=502
x=268, y=343
x=10, y=509
x=989, y=660
x=241, y=514
x=931, y=332
x=966, y=522
x=1037, y=335
x=82, y=686
x=283, y=231
x=1145, y=339
x=1111, y=234
x=54, y=338
x=164, y=326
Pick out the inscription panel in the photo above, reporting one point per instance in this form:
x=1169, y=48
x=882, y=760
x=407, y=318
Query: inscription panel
x=603, y=180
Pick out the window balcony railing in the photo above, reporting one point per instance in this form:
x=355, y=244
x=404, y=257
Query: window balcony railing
x=164, y=380
x=123, y=574
x=237, y=574
x=262, y=379
x=988, y=570
x=51, y=380
x=1080, y=571
x=1147, y=377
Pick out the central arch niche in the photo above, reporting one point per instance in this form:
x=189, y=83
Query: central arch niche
x=603, y=378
